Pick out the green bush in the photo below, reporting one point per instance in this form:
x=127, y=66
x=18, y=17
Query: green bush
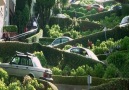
x=14, y=86
x=66, y=71
x=118, y=59
x=116, y=84
x=111, y=72
x=10, y=28
x=99, y=70
x=55, y=31
x=41, y=57
x=3, y=86
x=3, y=75
x=125, y=43
x=74, y=34
x=56, y=71
x=80, y=71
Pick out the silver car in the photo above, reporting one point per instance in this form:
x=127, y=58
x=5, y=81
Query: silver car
x=85, y=52
x=60, y=40
x=27, y=64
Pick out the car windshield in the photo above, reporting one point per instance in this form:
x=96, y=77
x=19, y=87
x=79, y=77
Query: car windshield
x=36, y=62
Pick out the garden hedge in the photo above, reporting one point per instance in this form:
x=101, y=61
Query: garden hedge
x=10, y=28
x=117, y=84
x=116, y=33
x=78, y=80
x=46, y=40
x=101, y=15
x=53, y=56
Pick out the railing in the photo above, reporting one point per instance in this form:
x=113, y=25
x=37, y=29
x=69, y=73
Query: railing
x=23, y=34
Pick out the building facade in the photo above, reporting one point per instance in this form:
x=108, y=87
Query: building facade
x=7, y=9
x=2, y=4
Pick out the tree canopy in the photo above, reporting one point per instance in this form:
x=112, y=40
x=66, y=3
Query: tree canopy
x=43, y=8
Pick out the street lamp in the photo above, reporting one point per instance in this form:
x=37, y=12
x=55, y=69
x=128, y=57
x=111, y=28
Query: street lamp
x=105, y=29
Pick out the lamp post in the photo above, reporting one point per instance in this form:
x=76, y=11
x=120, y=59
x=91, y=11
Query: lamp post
x=105, y=29
x=89, y=81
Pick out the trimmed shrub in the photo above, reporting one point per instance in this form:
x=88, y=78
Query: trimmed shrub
x=116, y=84
x=10, y=28
x=99, y=70
x=78, y=80
x=46, y=40
x=111, y=72
x=125, y=43
x=56, y=71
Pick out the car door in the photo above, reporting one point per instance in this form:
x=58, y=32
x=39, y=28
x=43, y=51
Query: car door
x=12, y=68
x=24, y=66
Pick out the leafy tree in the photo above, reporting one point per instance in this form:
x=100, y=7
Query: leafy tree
x=22, y=15
x=43, y=8
x=64, y=2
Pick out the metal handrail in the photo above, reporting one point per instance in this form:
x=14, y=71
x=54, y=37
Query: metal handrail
x=23, y=34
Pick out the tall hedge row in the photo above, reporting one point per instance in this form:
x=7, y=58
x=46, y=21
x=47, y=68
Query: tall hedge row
x=118, y=84
x=101, y=15
x=62, y=22
x=53, y=56
x=83, y=25
x=78, y=80
x=115, y=33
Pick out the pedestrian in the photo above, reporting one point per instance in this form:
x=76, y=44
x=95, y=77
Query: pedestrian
x=34, y=24
x=25, y=29
x=89, y=44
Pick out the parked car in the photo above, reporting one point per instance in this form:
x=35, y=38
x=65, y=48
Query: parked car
x=27, y=64
x=60, y=40
x=124, y=22
x=116, y=7
x=84, y=51
x=95, y=6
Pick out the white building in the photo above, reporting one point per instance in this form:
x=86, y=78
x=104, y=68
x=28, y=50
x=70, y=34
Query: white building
x=2, y=3
x=7, y=8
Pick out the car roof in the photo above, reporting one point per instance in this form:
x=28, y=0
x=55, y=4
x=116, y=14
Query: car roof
x=64, y=37
x=27, y=54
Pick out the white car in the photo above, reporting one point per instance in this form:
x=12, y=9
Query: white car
x=85, y=52
x=60, y=40
x=124, y=21
x=27, y=64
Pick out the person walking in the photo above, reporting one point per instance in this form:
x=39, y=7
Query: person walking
x=89, y=44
